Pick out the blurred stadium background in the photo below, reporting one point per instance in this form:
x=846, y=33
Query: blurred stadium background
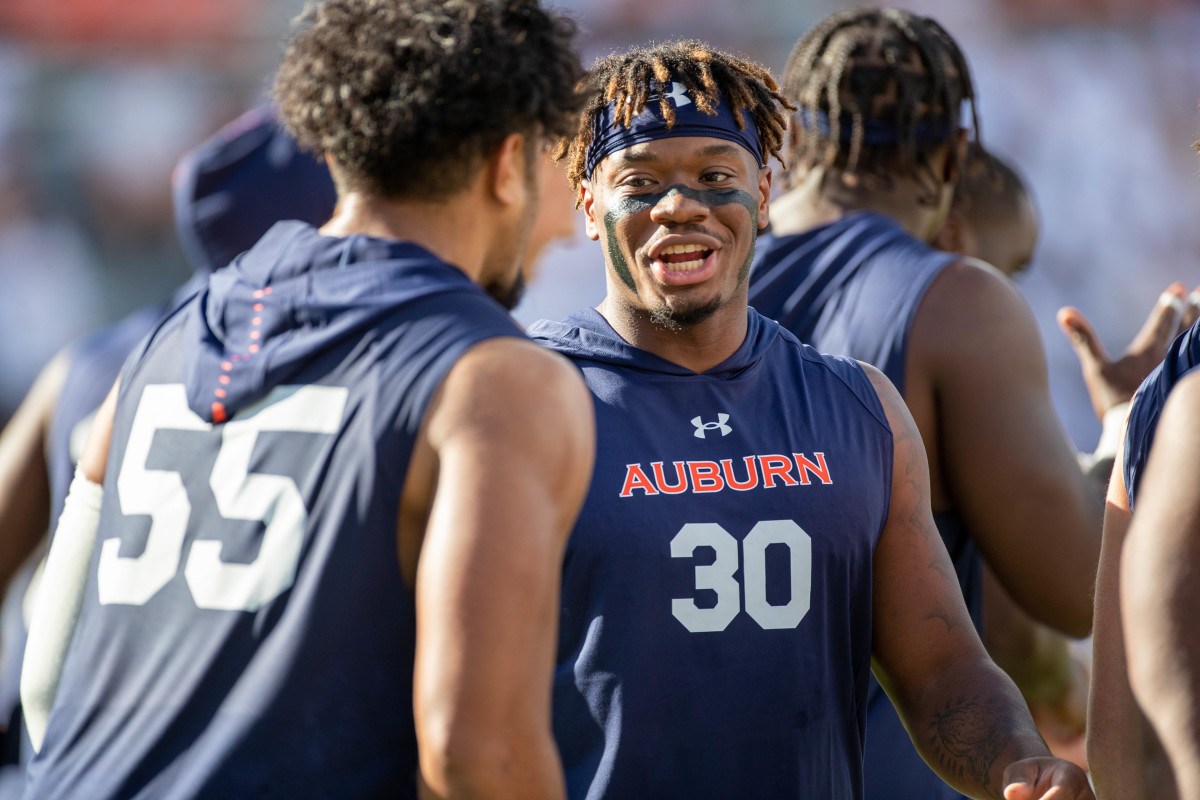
x=1095, y=101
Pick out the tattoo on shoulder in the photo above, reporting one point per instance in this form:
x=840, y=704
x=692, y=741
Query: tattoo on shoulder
x=967, y=741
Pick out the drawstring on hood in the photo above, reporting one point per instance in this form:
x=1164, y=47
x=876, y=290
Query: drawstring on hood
x=289, y=300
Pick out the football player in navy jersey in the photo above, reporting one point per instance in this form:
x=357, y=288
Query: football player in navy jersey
x=757, y=533
x=992, y=218
x=1157, y=588
x=1146, y=748
x=325, y=558
x=875, y=151
x=227, y=191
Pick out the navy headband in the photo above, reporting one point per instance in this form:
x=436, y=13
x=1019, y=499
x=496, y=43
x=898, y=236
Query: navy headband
x=610, y=136
x=881, y=131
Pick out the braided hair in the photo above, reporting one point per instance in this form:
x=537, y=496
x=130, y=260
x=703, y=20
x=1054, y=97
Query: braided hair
x=880, y=66
x=626, y=79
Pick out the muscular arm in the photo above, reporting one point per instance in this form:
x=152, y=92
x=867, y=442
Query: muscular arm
x=1158, y=590
x=965, y=716
x=513, y=436
x=1000, y=452
x=24, y=480
x=1122, y=750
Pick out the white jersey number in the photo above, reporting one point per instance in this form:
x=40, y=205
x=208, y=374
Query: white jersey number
x=240, y=494
x=718, y=576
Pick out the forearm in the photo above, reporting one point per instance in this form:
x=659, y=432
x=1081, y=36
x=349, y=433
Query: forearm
x=1121, y=748
x=969, y=724
x=1159, y=602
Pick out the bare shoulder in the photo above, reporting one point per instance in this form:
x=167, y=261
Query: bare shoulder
x=508, y=383
x=971, y=310
x=511, y=401
x=898, y=415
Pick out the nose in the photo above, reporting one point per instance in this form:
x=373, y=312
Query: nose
x=676, y=208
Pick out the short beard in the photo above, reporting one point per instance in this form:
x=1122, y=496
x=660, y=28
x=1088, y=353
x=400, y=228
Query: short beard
x=663, y=316
x=508, y=295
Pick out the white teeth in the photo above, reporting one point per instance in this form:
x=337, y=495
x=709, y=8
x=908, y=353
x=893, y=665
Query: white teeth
x=684, y=266
x=683, y=248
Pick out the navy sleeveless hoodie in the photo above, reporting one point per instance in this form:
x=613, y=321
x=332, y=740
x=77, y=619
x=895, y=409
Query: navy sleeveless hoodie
x=246, y=631
x=715, y=630
x=1183, y=356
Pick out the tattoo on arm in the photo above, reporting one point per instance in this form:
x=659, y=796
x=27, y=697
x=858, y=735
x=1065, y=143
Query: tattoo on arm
x=967, y=741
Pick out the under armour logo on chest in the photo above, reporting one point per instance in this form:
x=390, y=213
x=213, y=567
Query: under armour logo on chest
x=719, y=425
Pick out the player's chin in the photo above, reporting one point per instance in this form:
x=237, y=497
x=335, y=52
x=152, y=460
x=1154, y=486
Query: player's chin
x=678, y=312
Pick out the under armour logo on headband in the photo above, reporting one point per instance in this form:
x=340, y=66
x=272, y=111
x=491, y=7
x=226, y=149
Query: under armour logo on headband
x=610, y=136
x=678, y=94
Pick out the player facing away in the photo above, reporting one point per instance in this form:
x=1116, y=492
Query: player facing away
x=227, y=192
x=339, y=483
x=875, y=152
x=757, y=530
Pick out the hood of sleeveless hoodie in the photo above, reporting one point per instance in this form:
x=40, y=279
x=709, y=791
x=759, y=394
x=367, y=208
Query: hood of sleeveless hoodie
x=587, y=336
x=291, y=298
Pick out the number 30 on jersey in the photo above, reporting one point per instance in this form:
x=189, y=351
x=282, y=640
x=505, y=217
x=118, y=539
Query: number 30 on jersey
x=718, y=576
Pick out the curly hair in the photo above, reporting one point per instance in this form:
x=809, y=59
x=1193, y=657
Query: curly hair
x=408, y=97
x=626, y=78
x=884, y=66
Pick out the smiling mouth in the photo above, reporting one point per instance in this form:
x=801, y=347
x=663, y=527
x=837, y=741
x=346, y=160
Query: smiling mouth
x=684, y=257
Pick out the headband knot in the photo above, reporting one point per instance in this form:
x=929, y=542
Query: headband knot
x=610, y=136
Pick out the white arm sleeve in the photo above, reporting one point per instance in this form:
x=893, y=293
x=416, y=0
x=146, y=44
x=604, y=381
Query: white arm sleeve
x=56, y=607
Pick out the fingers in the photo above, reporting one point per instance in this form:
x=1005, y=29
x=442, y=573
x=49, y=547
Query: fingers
x=1023, y=791
x=1163, y=323
x=1083, y=338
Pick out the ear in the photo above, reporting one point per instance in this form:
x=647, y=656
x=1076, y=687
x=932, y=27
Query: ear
x=952, y=238
x=764, y=198
x=588, y=201
x=506, y=171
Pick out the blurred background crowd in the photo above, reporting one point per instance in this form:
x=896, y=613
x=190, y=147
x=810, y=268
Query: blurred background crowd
x=1094, y=101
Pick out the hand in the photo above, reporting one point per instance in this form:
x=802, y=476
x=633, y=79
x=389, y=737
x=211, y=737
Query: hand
x=1110, y=383
x=1045, y=779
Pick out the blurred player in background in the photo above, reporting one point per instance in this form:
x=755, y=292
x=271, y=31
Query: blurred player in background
x=992, y=218
x=875, y=153
x=340, y=478
x=224, y=191
x=758, y=526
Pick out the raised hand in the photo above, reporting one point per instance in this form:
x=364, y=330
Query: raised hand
x=1110, y=382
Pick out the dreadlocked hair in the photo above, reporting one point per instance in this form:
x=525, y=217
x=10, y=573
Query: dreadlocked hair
x=884, y=65
x=625, y=78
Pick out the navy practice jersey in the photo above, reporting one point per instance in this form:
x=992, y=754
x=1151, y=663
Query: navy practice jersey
x=715, y=628
x=246, y=631
x=1183, y=356
x=853, y=287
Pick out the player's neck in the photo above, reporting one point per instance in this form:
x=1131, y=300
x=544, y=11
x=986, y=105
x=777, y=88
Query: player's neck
x=449, y=229
x=820, y=199
x=698, y=347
